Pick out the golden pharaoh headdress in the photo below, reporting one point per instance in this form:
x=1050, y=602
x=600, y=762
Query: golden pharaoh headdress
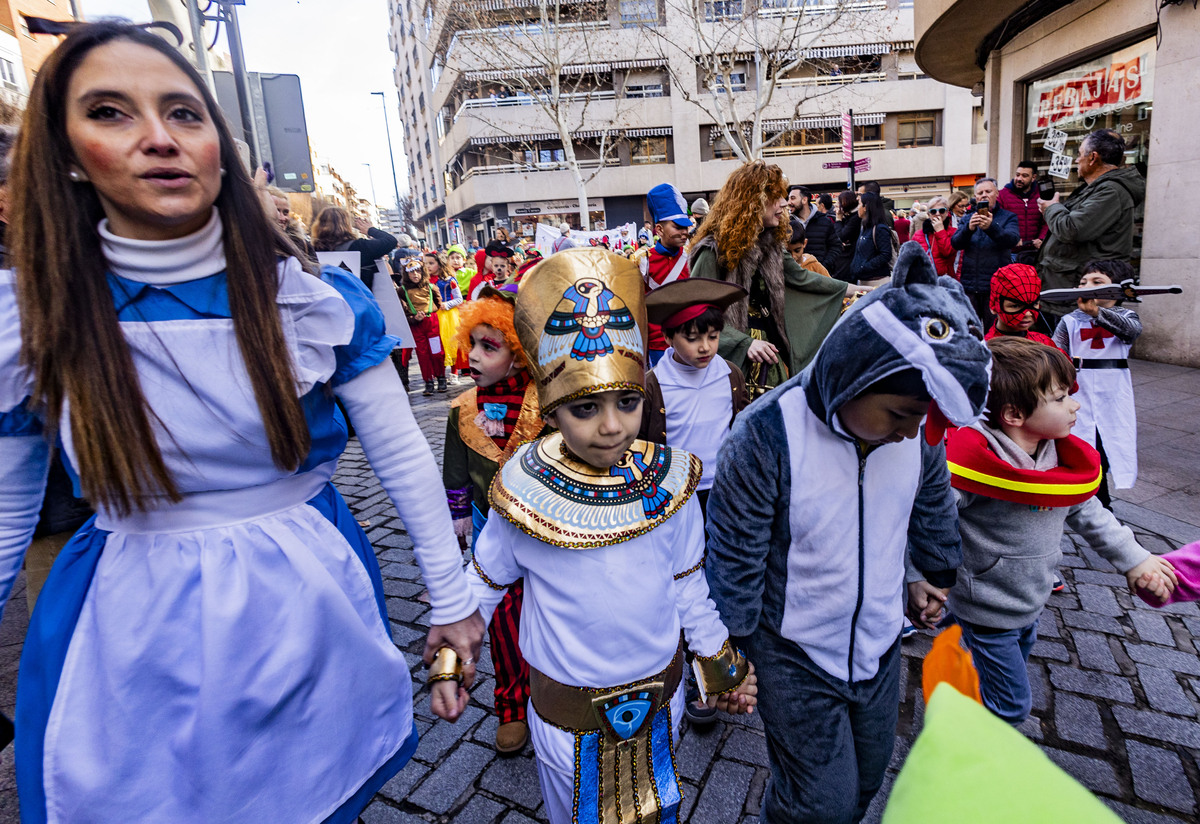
x=581, y=319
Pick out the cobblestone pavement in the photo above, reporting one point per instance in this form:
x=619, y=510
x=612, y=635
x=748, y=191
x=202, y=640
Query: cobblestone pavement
x=1116, y=683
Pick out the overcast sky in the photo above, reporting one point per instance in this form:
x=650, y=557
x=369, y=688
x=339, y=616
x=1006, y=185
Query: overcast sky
x=339, y=48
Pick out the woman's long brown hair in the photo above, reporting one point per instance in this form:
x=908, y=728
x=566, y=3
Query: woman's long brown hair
x=736, y=214
x=331, y=228
x=71, y=339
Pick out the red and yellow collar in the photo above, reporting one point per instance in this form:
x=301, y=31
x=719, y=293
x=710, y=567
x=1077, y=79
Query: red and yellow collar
x=976, y=468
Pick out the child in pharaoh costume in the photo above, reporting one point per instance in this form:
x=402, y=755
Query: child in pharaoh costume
x=606, y=534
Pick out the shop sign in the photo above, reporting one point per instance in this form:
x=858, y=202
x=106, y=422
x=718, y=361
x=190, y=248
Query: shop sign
x=1111, y=83
x=554, y=207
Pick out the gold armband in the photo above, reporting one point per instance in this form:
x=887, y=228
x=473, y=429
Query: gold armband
x=446, y=666
x=722, y=672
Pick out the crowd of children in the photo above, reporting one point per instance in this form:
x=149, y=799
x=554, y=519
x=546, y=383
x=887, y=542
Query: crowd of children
x=637, y=498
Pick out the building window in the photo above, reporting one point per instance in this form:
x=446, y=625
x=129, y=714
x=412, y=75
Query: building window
x=551, y=156
x=428, y=150
x=868, y=134
x=645, y=90
x=916, y=129
x=638, y=13
x=737, y=82
x=649, y=150
x=722, y=150
x=8, y=71
x=722, y=10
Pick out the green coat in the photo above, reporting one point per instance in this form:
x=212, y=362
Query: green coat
x=812, y=304
x=1094, y=223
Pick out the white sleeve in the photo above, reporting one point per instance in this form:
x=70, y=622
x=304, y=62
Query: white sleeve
x=401, y=458
x=698, y=615
x=494, y=568
x=26, y=459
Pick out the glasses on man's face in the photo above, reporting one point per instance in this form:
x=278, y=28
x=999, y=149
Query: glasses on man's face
x=938, y=211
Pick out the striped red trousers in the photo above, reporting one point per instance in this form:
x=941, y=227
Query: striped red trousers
x=512, y=673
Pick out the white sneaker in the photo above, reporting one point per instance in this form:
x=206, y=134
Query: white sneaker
x=453, y=379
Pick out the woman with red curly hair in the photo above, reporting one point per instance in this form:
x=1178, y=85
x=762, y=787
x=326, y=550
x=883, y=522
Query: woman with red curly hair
x=775, y=331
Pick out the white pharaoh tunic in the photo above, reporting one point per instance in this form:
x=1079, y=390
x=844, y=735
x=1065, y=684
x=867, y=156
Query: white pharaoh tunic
x=225, y=658
x=597, y=617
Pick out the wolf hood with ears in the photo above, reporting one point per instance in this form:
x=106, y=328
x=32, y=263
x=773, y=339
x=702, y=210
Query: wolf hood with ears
x=832, y=520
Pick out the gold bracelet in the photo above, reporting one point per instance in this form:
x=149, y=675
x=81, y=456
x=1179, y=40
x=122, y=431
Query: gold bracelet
x=723, y=672
x=446, y=666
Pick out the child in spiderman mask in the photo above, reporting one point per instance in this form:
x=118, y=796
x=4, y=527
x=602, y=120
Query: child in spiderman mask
x=485, y=426
x=1015, y=300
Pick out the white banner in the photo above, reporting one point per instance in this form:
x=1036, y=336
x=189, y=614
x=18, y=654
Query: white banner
x=395, y=321
x=546, y=235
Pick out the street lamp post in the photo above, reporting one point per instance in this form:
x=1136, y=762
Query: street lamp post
x=392, y=157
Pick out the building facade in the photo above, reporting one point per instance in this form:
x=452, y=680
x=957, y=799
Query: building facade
x=1049, y=72
x=482, y=154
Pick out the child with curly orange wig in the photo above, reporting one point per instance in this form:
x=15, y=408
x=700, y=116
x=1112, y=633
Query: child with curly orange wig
x=485, y=427
x=774, y=332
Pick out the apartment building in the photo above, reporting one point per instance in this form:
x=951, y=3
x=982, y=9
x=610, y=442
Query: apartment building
x=482, y=154
x=1051, y=72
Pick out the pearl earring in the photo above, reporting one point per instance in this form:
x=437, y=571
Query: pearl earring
x=222, y=171
x=75, y=176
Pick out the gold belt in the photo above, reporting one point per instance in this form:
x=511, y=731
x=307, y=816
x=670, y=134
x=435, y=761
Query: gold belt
x=581, y=709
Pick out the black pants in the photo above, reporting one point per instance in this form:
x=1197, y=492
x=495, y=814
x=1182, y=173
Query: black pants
x=979, y=300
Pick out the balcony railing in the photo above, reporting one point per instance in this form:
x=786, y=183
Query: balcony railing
x=525, y=168
x=526, y=27
x=844, y=79
x=522, y=99
x=797, y=8
x=821, y=148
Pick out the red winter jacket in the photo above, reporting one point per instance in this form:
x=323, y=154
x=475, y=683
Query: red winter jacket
x=1029, y=216
x=942, y=254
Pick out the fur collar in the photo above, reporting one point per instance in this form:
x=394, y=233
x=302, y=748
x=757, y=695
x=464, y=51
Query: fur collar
x=764, y=259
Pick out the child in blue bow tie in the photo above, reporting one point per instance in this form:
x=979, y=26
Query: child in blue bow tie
x=485, y=427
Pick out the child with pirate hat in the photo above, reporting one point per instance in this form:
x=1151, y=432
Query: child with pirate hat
x=485, y=426
x=603, y=529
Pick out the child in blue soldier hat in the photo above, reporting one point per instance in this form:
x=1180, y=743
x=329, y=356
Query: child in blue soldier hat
x=665, y=261
x=822, y=494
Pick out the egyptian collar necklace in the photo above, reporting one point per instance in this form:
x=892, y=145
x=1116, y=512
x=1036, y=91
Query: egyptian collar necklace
x=549, y=494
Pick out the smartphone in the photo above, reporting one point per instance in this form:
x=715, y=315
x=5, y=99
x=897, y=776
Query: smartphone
x=1046, y=189
x=983, y=207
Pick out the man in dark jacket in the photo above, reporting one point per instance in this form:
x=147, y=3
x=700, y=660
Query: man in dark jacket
x=985, y=236
x=823, y=243
x=1021, y=198
x=1096, y=221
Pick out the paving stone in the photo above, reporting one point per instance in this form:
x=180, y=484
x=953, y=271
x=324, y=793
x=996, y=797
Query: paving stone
x=1152, y=628
x=724, y=793
x=1039, y=687
x=480, y=810
x=444, y=735
x=743, y=745
x=1096, y=775
x=513, y=818
x=400, y=785
x=1134, y=815
x=1048, y=625
x=1097, y=623
x=690, y=793
x=695, y=751
x=455, y=775
x=515, y=779
x=1031, y=728
x=1094, y=684
x=1163, y=691
x=402, y=636
x=758, y=787
x=1106, y=579
x=1158, y=777
x=380, y=813
x=1050, y=649
x=1095, y=561
x=402, y=609
x=1078, y=719
x=1165, y=658
x=1098, y=600
x=1157, y=726
x=1094, y=653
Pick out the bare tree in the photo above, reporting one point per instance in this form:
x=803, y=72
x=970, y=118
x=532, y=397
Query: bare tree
x=550, y=54
x=745, y=51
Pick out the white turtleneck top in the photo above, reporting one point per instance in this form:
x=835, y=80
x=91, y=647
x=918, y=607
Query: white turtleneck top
x=699, y=408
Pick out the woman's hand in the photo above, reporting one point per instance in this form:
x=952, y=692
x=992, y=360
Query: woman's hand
x=362, y=224
x=937, y=224
x=762, y=351
x=853, y=289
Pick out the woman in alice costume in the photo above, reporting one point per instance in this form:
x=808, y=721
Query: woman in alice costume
x=213, y=645
x=606, y=533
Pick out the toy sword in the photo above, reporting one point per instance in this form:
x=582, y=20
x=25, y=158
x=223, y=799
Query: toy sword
x=1125, y=290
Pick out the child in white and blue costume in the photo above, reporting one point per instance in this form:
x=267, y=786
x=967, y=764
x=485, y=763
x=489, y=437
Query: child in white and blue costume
x=227, y=657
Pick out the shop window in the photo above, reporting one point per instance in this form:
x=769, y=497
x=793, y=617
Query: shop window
x=916, y=129
x=636, y=13
x=649, y=150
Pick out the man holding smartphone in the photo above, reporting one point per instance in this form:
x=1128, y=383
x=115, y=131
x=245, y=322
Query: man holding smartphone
x=1020, y=196
x=986, y=238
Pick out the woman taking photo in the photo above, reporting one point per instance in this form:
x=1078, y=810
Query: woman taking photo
x=213, y=644
x=774, y=332
x=874, y=252
x=333, y=231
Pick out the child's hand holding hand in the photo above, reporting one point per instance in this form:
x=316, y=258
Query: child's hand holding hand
x=740, y=701
x=925, y=604
x=1155, y=588
x=447, y=700
x=1158, y=574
